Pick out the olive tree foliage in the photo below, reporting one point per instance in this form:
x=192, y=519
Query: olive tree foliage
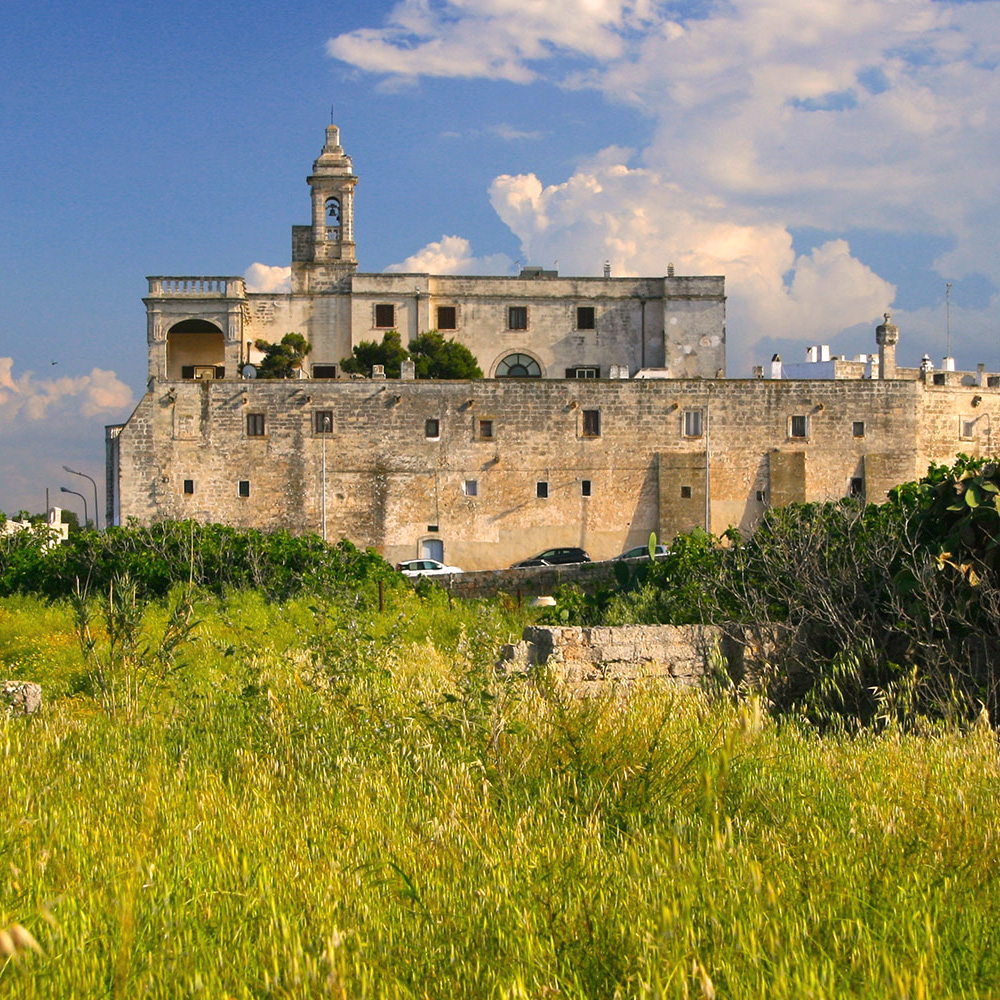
x=433, y=357
x=282, y=360
x=863, y=613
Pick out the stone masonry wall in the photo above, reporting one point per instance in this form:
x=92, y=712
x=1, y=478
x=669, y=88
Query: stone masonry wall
x=587, y=657
x=407, y=461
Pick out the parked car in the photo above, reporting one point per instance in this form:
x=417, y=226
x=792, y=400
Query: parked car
x=425, y=567
x=554, y=557
x=643, y=550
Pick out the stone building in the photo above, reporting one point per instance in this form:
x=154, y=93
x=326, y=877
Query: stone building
x=548, y=450
x=537, y=324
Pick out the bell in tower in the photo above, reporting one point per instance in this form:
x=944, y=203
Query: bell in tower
x=323, y=254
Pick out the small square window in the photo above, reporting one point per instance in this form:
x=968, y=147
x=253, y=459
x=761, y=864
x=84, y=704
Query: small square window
x=255, y=425
x=432, y=428
x=541, y=490
x=939, y=378
x=486, y=429
x=693, y=423
x=585, y=489
x=385, y=315
x=447, y=318
x=323, y=422
x=857, y=487
x=470, y=488
x=585, y=318
x=517, y=317
x=324, y=371
x=859, y=428
x=243, y=489
x=798, y=426
x=592, y=423
x=189, y=486
x=685, y=492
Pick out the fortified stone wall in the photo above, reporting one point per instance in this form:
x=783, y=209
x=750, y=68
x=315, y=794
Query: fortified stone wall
x=497, y=470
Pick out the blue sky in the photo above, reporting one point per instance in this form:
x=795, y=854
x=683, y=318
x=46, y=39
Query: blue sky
x=833, y=160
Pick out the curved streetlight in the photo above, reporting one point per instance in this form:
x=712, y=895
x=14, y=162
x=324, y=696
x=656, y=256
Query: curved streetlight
x=97, y=506
x=63, y=489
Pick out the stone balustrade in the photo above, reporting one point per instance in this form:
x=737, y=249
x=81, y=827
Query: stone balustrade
x=205, y=287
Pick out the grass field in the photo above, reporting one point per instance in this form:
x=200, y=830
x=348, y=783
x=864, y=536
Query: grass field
x=333, y=802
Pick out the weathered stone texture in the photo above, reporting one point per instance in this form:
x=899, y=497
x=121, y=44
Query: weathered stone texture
x=390, y=486
x=585, y=657
x=20, y=697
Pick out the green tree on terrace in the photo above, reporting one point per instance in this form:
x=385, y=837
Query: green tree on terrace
x=282, y=360
x=436, y=357
x=390, y=354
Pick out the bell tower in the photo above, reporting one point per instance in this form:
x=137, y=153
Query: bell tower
x=323, y=256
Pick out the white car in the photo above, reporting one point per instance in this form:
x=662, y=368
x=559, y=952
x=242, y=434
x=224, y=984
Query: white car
x=425, y=567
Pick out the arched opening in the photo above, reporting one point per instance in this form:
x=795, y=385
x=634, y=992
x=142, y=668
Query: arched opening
x=518, y=366
x=333, y=218
x=195, y=349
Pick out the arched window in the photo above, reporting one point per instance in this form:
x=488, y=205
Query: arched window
x=518, y=366
x=333, y=218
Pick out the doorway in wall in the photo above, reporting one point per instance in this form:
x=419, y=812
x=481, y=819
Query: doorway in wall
x=432, y=548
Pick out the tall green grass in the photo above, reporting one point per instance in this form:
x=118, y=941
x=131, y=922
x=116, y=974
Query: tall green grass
x=328, y=804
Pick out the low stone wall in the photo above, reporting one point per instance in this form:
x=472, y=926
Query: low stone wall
x=587, y=657
x=528, y=581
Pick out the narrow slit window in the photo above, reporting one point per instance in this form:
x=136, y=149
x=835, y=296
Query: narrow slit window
x=585, y=488
x=541, y=490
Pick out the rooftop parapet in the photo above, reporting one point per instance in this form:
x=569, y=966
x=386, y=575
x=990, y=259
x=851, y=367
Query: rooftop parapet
x=197, y=287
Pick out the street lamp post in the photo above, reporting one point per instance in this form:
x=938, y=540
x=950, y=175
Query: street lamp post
x=64, y=489
x=97, y=506
x=326, y=428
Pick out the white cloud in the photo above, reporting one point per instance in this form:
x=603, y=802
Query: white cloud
x=452, y=255
x=495, y=39
x=25, y=397
x=839, y=115
x=268, y=278
x=640, y=223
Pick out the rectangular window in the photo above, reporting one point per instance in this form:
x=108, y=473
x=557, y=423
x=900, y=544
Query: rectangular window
x=692, y=423
x=939, y=378
x=585, y=488
x=857, y=487
x=685, y=492
x=591, y=423
x=798, y=426
x=243, y=489
x=585, y=318
x=761, y=496
x=859, y=428
x=584, y=371
x=189, y=486
x=432, y=428
x=324, y=371
x=541, y=490
x=517, y=317
x=447, y=318
x=255, y=425
x=486, y=429
x=385, y=315
x=323, y=422
x=967, y=429
x=471, y=487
